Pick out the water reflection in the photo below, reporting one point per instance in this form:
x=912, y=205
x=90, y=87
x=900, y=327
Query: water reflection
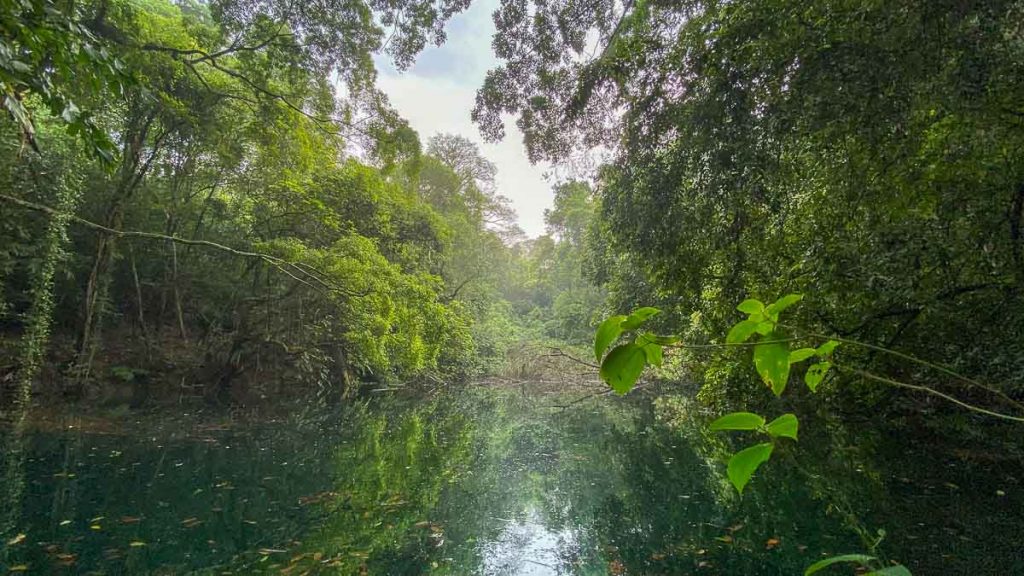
x=489, y=482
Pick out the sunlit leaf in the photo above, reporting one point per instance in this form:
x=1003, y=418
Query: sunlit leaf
x=653, y=353
x=775, y=308
x=751, y=306
x=765, y=327
x=784, y=426
x=815, y=374
x=801, y=354
x=822, y=564
x=639, y=317
x=743, y=463
x=607, y=332
x=623, y=366
x=826, y=348
x=741, y=332
x=772, y=361
x=738, y=421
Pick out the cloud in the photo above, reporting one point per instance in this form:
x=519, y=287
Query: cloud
x=437, y=94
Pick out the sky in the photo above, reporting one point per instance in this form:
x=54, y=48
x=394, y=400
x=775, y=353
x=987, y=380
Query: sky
x=437, y=94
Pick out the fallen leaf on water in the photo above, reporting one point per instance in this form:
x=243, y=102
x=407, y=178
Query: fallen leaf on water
x=1000, y=493
x=771, y=543
x=130, y=519
x=65, y=522
x=20, y=568
x=137, y=544
x=95, y=527
x=66, y=559
x=97, y=519
x=735, y=528
x=657, y=556
x=727, y=539
x=16, y=540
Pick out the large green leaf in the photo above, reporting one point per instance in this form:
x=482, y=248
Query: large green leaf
x=741, y=332
x=653, y=353
x=775, y=308
x=751, y=306
x=738, y=421
x=772, y=361
x=623, y=366
x=897, y=570
x=607, y=332
x=861, y=559
x=815, y=374
x=743, y=463
x=638, y=317
x=784, y=426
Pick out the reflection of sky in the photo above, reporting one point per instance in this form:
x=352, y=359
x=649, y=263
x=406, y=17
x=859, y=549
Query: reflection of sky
x=437, y=95
x=527, y=548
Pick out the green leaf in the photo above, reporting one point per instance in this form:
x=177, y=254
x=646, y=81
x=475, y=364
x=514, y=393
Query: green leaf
x=607, y=332
x=741, y=332
x=765, y=327
x=743, y=463
x=784, y=426
x=751, y=306
x=800, y=355
x=815, y=374
x=663, y=340
x=772, y=362
x=775, y=308
x=826, y=348
x=623, y=366
x=897, y=570
x=738, y=421
x=861, y=559
x=639, y=317
x=653, y=353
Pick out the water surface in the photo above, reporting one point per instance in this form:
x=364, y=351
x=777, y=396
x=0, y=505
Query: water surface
x=486, y=481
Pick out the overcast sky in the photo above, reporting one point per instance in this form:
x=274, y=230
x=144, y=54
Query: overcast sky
x=437, y=94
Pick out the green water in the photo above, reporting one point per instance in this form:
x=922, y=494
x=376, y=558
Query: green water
x=491, y=482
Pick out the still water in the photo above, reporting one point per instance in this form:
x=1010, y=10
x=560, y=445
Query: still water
x=486, y=481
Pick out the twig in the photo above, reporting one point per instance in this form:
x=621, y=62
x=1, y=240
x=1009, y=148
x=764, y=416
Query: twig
x=932, y=391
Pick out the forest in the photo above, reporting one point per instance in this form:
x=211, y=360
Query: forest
x=212, y=206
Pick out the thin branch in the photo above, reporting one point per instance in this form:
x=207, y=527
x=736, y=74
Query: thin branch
x=931, y=391
x=299, y=271
x=926, y=363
